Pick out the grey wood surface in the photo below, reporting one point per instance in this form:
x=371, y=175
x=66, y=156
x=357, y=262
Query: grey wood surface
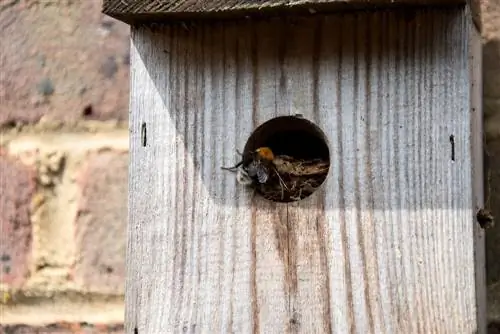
x=387, y=245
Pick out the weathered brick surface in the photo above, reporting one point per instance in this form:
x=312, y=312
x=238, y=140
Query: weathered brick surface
x=63, y=328
x=17, y=187
x=101, y=222
x=491, y=63
x=493, y=235
x=494, y=328
x=62, y=59
x=491, y=91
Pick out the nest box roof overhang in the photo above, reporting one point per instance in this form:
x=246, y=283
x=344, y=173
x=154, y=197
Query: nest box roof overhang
x=144, y=11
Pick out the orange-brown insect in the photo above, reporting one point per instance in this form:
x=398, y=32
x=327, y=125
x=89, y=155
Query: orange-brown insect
x=258, y=168
x=255, y=166
x=261, y=165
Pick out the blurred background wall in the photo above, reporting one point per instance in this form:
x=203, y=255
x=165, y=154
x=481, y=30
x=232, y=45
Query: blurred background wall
x=491, y=106
x=63, y=164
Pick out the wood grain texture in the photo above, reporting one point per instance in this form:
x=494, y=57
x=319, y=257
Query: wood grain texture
x=206, y=6
x=387, y=245
x=148, y=10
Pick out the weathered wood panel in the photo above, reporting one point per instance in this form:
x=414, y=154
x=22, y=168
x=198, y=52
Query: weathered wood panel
x=131, y=11
x=386, y=246
x=208, y=6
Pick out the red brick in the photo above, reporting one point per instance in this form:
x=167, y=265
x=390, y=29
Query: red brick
x=101, y=222
x=60, y=57
x=491, y=63
x=17, y=186
x=494, y=328
x=493, y=235
x=62, y=328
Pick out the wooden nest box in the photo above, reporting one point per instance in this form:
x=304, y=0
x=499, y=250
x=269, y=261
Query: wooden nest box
x=384, y=94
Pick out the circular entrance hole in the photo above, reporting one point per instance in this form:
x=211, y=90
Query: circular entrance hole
x=302, y=157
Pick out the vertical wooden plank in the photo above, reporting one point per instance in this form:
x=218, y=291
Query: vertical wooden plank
x=268, y=218
x=329, y=118
x=306, y=224
x=244, y=120
x=386, y=245
x=237, y=262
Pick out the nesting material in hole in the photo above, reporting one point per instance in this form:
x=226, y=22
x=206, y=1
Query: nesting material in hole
x=300, y=158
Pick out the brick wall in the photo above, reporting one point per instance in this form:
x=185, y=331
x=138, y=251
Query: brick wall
x=63, y=167
x=491, y=92
x=63, y=164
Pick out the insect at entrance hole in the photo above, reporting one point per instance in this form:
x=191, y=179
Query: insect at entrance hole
x=301, y=157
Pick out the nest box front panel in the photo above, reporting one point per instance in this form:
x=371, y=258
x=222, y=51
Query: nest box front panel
x=383, y=245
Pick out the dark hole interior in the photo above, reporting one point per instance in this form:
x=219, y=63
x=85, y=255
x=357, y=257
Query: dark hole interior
x=295, y=137
x=291, y=136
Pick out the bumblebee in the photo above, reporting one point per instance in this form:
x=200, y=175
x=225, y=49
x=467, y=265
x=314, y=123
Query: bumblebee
x=261, y=165
x=255, y=167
